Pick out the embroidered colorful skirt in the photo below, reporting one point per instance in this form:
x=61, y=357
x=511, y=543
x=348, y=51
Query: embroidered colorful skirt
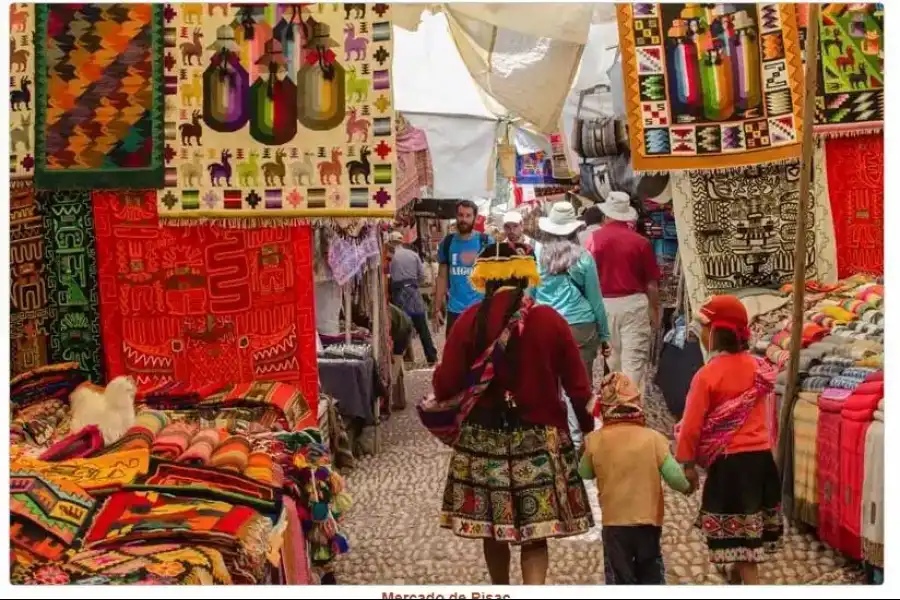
x=514, y=482
x=740, y=513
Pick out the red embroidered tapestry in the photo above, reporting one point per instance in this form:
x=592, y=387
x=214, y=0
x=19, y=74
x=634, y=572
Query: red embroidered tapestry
x=856, y=189
x=203, y=304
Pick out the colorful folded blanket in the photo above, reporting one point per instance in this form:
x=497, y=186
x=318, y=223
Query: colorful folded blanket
x=46, y=513
x=49, y=381
x=239, y=532
x=232, y=455
x=840, y=361
x=201, y=447
x=173, y=440
x=815, y=384
x=839, y=314
x=95, y=474
x=827, y=370
x=175, y=395
x=76, y=445
x=261, y=467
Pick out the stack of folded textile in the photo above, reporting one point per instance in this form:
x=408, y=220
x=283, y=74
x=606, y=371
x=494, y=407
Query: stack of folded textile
x=872, y=521
x=828, y=467
x=856, y=418
x=806, y=420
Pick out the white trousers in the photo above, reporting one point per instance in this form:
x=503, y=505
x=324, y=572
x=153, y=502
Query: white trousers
x=631, y=336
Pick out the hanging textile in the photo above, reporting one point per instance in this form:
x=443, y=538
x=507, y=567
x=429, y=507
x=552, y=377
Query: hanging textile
x=855, y=169
x=29, y=306
x=735, y=229
x=70, y=264
x=711, y=86
x=850, y=81
x=98, y=96
x=204, y=305
x=21, y=105
x=279, y=110
x=414, y=169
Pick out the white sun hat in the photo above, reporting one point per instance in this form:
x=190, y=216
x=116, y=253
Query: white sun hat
x=561, y=221
x=513, y=216
x=618, y=207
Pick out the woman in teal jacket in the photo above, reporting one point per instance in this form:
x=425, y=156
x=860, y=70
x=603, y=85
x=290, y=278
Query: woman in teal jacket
x=569, y=283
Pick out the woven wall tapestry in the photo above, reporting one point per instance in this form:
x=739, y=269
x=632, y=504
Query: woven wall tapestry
x=21, y=90
x=70, y=264
x=29, y=307
x=855, y=167
x=99, y=96
x=279, y=110
x=711, y=86
x=850, y=82
x=737, y=229
x=204, y=305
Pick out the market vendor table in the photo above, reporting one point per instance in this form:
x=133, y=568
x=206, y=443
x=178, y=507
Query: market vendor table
x=350, y=382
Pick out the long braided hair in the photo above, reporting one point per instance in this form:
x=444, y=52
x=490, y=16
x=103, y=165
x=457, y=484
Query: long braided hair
x=481, y=322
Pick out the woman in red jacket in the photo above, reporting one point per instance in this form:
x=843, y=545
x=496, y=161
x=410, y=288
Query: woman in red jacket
x=513, y=476
x=724, y=430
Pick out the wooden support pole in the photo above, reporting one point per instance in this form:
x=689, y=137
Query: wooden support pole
x=799, y=288
x=348, y=320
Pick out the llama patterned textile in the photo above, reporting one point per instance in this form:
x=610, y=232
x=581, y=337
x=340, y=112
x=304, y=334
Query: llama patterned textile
x=850, y=82
x=21, y=77
x=278, y=110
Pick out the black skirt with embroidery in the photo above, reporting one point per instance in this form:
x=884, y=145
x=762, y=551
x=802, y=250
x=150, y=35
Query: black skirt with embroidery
x=740, y=514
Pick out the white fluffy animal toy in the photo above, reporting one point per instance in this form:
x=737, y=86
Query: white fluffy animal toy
x=110, y=409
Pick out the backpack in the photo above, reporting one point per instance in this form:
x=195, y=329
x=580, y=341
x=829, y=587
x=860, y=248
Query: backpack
x=445, y=244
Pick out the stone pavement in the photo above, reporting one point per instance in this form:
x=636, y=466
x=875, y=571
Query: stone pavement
x=395, y=539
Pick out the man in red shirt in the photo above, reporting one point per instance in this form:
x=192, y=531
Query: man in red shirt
x=629, y=281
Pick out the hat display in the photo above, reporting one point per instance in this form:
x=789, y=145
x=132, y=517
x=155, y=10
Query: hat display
x=618, y=207
x=561, y=221
x=655, y=188
x=513, y=216
x=504, y=261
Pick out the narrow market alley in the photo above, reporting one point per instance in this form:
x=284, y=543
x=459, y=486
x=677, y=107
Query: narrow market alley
x=393, y=526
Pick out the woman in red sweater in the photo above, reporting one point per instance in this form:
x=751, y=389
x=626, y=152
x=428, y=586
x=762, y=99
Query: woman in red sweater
x=724, y=430
x=513, y=477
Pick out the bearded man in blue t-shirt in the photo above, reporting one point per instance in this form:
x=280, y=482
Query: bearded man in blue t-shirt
x=456, y=257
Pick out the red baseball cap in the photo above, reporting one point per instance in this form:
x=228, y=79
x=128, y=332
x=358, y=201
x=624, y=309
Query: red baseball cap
x=728, y=312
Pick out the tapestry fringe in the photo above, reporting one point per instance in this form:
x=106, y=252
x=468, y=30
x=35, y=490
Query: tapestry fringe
x=336, y=223
x=711, y=171
x=848, y=133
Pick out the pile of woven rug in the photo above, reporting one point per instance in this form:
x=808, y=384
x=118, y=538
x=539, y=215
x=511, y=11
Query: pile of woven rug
x=227, y=486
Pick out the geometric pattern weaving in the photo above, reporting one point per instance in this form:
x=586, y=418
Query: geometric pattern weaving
x=850, y=82
x=277, y=111
x=736, y=229
x=203, y=305
x=99, y=98
x=711, y=86
x=856, y=188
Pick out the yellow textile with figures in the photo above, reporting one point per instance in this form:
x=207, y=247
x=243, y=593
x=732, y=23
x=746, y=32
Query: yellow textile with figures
x=279, y=110
x=90, y=474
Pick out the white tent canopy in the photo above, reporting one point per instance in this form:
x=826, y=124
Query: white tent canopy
x=435, y=90
x=429, y=75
